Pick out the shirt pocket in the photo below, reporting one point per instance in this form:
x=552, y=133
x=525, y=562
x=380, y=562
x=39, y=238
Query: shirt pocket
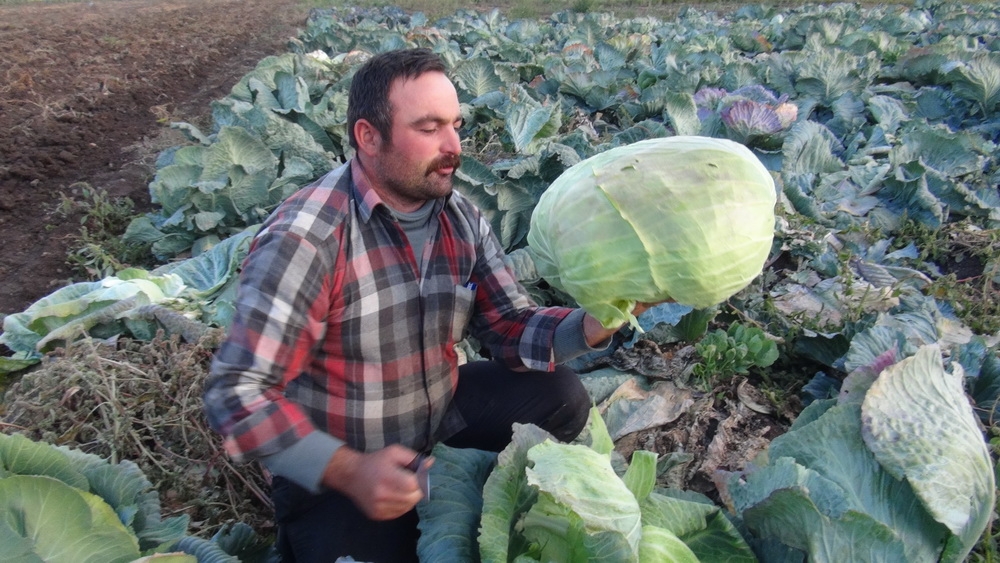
x=465, y=301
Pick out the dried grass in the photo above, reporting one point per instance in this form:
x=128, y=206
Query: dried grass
x=142, y=401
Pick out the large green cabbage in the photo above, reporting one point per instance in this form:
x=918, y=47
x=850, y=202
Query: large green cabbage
x=683, y=218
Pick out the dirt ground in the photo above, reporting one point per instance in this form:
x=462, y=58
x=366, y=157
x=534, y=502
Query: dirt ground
x=87, y=91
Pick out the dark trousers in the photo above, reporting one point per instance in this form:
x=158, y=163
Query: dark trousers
x=490, y=398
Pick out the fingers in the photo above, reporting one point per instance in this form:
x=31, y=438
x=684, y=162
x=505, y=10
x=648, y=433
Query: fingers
x=642, y=307
x=385, y=488
x=420, y=461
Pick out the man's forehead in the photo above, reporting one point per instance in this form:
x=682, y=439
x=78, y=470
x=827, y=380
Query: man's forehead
x=424, y=97
x=422, y=80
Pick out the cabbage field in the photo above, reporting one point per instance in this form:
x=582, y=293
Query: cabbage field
x=841, y=407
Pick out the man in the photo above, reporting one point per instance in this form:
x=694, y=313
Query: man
x=340, y=366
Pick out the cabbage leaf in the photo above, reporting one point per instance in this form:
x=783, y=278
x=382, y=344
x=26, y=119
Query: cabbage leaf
x=921, y=428
x=548, y=501
x=44, y=519
x=898, y=471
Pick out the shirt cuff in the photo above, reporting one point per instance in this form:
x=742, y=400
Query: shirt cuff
x=304, y=462
x=569, y=341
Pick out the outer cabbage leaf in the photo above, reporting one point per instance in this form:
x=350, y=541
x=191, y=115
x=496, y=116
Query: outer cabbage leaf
x=44, y=519
x=827, y=74
x=448, y=525
x=804, y=510
x=791, y=516
x=170, y=187
x=702, y=526
x=831, y=448
x=920, y=427
x=683, y=218
x=127, y=490
x=900, y=473
x=578, y=486
x=236, y=147
x=21, y=456
x=810, y=148
x=680, y=109
x=506, y=495
x=122, y=486
x=662, y=546
x=70, y=311
x=983, y=366
x=265, y=72
x=231, y=544
x=207, y=272
x=951, y=154
x=477, y=76
x=18, y=362
x=977, y=79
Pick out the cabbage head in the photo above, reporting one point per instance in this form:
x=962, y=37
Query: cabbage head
x=684, y=218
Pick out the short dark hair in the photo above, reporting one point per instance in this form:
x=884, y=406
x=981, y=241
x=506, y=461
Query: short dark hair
x=368, y=98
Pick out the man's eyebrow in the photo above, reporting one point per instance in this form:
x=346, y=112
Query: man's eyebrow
x=423, y=120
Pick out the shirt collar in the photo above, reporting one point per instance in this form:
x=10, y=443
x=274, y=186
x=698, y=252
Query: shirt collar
x=369, y=200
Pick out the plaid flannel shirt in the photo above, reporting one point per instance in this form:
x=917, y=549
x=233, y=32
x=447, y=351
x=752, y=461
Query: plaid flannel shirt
x=336, y=329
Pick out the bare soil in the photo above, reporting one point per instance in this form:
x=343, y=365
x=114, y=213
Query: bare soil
x=87, y=92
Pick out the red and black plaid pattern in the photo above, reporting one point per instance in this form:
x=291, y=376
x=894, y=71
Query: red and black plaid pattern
x=336, y=329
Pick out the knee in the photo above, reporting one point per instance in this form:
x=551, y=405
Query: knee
x=573, y=390
x=575, y=408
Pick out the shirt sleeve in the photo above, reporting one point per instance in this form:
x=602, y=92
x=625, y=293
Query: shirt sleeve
x=305, y=461
x=280, y=312
x=517, y=331
x=570, y=342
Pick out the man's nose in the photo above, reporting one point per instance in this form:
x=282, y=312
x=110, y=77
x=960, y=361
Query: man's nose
x=453, y=142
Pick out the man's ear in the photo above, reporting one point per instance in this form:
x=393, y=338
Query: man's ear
x=368, y=138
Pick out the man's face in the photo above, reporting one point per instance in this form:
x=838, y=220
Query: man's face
x=419, y=162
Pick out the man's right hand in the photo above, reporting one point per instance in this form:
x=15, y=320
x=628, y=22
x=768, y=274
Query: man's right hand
x=378, y=482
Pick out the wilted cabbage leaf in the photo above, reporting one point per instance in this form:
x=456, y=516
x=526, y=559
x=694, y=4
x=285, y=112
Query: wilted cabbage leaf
x=902, y=474
x=920, y=426
x=71, y=311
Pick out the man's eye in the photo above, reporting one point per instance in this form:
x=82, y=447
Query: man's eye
x=429, y=130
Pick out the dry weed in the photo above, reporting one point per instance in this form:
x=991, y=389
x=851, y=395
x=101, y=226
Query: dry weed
x=142, y=401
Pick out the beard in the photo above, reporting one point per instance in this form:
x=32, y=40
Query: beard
x=417, y=186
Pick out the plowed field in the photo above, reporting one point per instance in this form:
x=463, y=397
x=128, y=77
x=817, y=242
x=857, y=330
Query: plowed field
x=87, y=92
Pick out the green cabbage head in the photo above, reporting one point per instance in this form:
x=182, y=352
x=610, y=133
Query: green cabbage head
x=684, y=218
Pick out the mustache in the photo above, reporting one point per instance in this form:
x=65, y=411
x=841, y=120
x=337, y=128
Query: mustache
x=444, y=161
